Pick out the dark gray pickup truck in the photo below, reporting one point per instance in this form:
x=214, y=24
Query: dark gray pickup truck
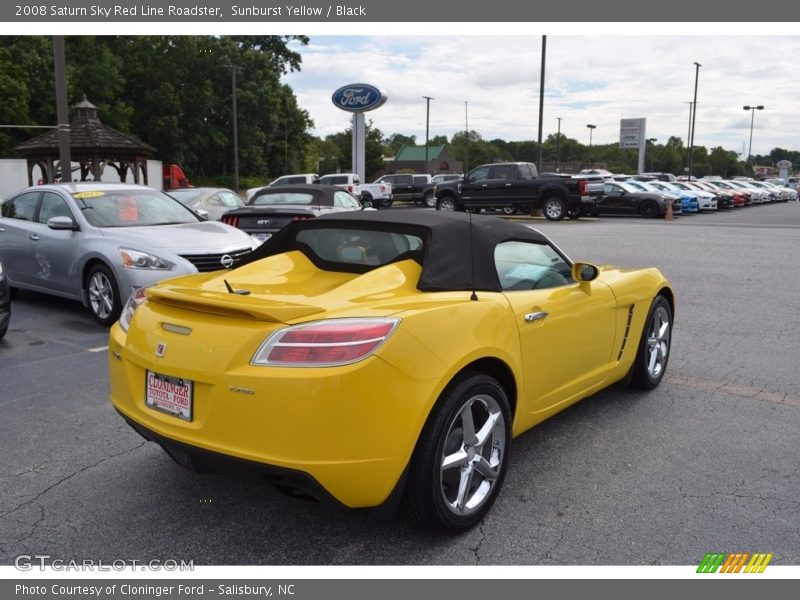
x=518, y=186
x=411, y=186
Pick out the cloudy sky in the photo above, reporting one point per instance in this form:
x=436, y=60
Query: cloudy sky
x=597, y=80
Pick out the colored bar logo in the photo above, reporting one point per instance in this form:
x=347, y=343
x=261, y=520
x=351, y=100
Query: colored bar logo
x=743, y=562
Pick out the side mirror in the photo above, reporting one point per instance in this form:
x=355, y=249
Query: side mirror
x=582, y=272
x=202, y=213
x=62, y=223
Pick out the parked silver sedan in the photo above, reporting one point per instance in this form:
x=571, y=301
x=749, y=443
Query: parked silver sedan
x=208, y=201
x=97, y=242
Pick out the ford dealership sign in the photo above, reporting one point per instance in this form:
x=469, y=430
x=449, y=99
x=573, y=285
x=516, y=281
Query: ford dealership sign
x=358, y=97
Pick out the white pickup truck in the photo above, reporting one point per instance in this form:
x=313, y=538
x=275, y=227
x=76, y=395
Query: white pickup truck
x=377, y=195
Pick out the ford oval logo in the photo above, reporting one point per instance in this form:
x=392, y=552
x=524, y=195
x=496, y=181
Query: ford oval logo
x=358, y=97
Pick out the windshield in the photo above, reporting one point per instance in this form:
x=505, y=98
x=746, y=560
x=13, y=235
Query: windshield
x=302, y=198
x=344, y=246
x=131, y=208
x=187, y=196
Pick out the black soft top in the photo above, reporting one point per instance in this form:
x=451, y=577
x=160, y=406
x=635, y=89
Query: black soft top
x=445, y=260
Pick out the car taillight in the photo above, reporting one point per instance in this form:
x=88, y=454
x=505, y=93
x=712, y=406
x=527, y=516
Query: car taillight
x=231, y=220
x=325, y=343
x=350, y=188
x=582, y=187
x=299, y=218
x=135, y=299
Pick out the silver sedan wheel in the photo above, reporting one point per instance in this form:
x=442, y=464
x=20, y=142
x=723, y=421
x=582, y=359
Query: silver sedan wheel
x=473, y=454
x=658, y=338
x=101, y=295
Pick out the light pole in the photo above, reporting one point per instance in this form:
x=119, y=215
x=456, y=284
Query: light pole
x=541, y=99
x=688, y=134
x=694, y=116
x=591, y=130
x=752, y=110
x=558, y=146
x=652, y=141
x=427, y=128
x=466, y=124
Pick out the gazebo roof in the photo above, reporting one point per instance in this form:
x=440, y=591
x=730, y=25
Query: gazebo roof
x=88, y=137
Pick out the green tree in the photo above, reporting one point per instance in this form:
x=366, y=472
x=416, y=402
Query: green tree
x=396, y=141
x=373, y=150
x=27, y=88
x=172, y=92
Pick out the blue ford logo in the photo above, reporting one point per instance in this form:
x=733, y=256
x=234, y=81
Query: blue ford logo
x=358, y=97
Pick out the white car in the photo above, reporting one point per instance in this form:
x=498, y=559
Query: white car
x=705, y=200
x=784, y=193
x=758, y=195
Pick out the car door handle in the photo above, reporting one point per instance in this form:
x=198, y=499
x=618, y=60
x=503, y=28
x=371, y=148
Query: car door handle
x=535, y=316
x=485, y=185
x=508, y=185
x=34, y=237
x=2, y=229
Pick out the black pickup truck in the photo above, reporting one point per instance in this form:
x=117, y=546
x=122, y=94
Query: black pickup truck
x=518, y=186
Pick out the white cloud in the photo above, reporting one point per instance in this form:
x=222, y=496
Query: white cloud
x=588, y=80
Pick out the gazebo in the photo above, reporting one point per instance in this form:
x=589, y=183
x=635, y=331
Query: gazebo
x=93, y=146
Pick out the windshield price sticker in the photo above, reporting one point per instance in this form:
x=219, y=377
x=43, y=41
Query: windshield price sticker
x=171, y=395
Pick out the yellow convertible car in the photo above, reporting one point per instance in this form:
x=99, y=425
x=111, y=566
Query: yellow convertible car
x=383, y=359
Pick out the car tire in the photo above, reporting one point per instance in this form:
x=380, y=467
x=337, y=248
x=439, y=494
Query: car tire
x=447, y=203
x=573, y=213
x=366, y=200
x=387, y=203
x=648, y=210
x=103, y=295
x=652, y=356
x=429, y=200
x=554, y=208
x=456, y=474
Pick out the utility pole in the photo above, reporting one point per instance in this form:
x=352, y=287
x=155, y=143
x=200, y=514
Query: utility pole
x=558, y=146
x=694, y=116
x=62, y=110
x=427, y=129
x=541, y=98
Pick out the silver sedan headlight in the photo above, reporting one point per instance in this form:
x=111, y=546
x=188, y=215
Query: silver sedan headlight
x=135, y=259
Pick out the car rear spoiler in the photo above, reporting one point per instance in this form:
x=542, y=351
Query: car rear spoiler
x=237, y=304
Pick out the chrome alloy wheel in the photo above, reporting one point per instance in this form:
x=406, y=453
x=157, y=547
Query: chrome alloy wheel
x=473, y=454
x=101, y=295
x=658, y=338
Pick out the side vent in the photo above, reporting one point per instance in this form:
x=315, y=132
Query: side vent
x=627, y=332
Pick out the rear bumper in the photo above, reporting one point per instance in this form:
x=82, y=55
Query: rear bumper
x=204, y=461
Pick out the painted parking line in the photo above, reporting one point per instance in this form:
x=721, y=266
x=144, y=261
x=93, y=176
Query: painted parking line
x=743, y=391
x=98, y=349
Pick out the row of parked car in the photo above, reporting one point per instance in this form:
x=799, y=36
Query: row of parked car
x=649, y=196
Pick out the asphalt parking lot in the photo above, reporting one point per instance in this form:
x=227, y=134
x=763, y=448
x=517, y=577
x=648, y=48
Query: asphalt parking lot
x=706, y=462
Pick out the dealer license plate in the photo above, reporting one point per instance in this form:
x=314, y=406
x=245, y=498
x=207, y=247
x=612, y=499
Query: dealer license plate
x=171, y=395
